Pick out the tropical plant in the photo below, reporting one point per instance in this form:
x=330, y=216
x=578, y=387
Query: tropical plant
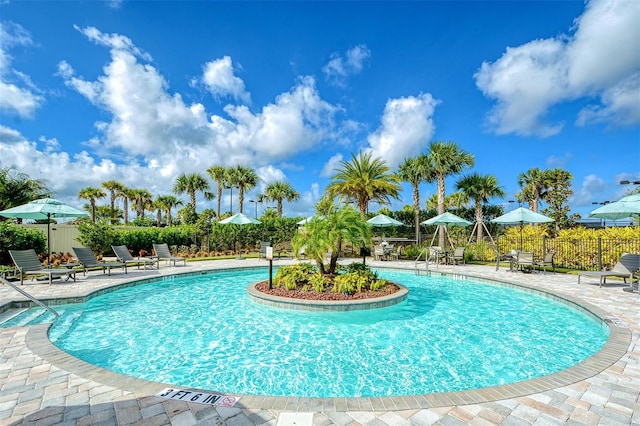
x=322, y=235
x=18, y=188
x=479, y=188
x=126, y=194
x=534, y=184
x=245, y=178
x=279, y=191
x=91, y=194
x=115, y=190
x=166, y=203
x=414, y=171
x=362, y=180
x=219, y=175
x=190, y=184
x=559, y=191
x=445, y=159
x=141, y=200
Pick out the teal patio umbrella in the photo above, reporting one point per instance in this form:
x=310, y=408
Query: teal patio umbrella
x=44, y=208
x=240, y=219
x=444, y=220
x=623, y=208
x=382, y=221
x=520, y=216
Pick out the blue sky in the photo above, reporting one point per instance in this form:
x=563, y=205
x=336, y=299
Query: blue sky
x=141, y=91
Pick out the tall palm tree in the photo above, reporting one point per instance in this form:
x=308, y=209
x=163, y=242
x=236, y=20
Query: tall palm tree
x=534, y=184
x=190, y=184
x=231, y=181
x=364, y=179
x=166, y=203
x=92, y=194
x=445, y=159
x=219, y=175
x=279, y=191
x=127, y=195
x=480, y=188
x=414, y=171
x=18, y=188
x=142, y=200
x=115, y=188
x=246, y=178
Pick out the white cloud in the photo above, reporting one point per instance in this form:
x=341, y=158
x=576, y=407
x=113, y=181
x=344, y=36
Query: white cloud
x=339, y=68
x=219, y=79
x=17, y=94
x=331, y=165
x=406, y=128
x=599, y=61
x=591, y=187
x=559, y=162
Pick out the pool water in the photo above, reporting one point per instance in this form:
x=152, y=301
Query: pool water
x=203, y=331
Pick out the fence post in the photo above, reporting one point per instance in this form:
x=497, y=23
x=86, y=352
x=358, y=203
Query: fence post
x=544, y=245
x=599, y=253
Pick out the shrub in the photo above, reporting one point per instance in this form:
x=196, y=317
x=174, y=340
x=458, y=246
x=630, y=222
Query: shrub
x=16, y=237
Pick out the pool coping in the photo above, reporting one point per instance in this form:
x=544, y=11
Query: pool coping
x=613, y=350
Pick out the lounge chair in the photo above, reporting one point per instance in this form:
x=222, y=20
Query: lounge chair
x=28, y=264
x=124, y=256
x=625, y=268
x=547, y=260
x=163, y=253
x=87, y=259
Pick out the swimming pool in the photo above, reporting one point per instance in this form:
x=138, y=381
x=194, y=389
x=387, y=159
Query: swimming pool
x=449, y=335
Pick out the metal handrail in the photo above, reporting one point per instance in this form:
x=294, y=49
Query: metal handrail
x=24, y=293
x=426, y=260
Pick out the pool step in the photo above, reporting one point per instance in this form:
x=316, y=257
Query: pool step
x=10, y=314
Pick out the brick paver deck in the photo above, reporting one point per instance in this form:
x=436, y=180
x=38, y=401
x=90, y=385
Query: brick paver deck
x=42, y=385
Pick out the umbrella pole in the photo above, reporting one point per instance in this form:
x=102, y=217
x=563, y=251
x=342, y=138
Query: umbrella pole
x=521, y=236
x=49, y=239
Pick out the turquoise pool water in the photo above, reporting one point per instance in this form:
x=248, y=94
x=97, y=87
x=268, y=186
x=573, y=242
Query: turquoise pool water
x=203, y=331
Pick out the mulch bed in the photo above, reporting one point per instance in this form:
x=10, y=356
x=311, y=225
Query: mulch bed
x=263, y=286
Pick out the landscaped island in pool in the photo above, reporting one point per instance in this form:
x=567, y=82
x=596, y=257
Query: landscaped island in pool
x=203, y=331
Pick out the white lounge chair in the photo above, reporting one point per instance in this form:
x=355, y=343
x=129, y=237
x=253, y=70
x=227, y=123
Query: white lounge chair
x=628, y=265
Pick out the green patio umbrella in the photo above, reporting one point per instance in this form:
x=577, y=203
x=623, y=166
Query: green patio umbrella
x=383, y=221
x=444, y=220
x=44, y=208
x=623, y=208
x=520, y=216
x=240, y=219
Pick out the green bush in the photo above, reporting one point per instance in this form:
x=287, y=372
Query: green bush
x=16, y=237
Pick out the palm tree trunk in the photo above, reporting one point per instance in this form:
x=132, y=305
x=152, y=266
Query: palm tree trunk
x=280, y=207
x=441, y=209
x=169, y=217
x=219, y=197
x=241, y=197
x=159, y=218
x=479, y=220
x=125, y=213
x=416, y=211
x=192, y=196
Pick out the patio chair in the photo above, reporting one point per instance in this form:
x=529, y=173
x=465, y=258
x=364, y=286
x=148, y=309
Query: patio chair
x=87, y=260
x=436, y=255
x=378, y=253
x=524, y=260
x=123, y=255
x=28, y=264
x=395, y=255
x=547, y=260
x=624, y=268
x=458, y=256
x=163, y=253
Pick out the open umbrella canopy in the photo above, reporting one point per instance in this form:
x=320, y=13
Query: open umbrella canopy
x=521, y=215
x=383, y=220
x=446, y=219
x=239, y=219
x=309, y=219
x=44, y=208
x=625, y=207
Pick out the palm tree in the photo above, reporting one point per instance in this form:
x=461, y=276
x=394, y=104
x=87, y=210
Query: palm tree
x=414, y=171
x=18, y=188
x=364, y=179
x=142, y=200
x=166, y=203
x=245, y=178
x=219, y=175
x=191, y=184
x=126, y=194
x=115, y=188
x=446, y=158
x=92, y=194
x=534, y=184
x=279, y=191
x=321, y=235
x=479, y=188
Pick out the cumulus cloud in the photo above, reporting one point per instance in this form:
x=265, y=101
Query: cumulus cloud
x=406, y=128
x=158, y=126
x=530, y=79
x=218, y=77
x=339, y=67
x=18, y=95
x=330, y=166
x=590, y=188
x=559, y=162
